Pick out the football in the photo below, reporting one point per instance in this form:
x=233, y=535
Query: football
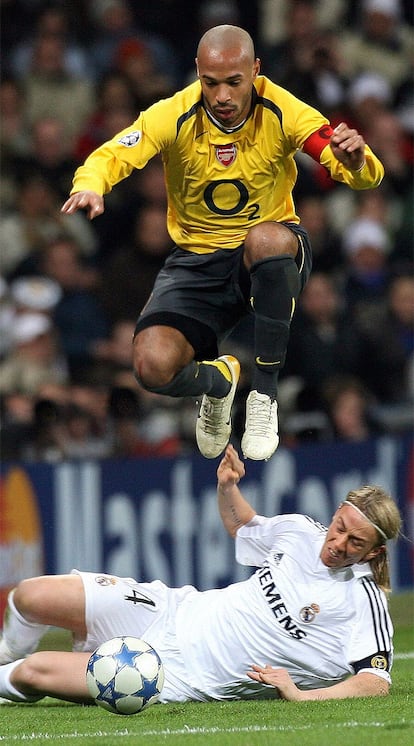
x=125, y=675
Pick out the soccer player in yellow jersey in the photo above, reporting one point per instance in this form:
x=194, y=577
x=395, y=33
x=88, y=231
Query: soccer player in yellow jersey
x=228, y=142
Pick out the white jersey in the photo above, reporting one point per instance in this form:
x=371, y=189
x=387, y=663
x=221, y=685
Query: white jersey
x=294, y=612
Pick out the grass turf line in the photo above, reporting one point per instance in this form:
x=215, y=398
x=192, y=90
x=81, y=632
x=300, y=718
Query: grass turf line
x=372, y=720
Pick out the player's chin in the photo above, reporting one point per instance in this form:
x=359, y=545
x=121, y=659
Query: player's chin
x=330, y=560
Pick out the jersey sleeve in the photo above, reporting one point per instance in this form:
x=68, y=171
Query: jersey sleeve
x=131, y=148
x=308, y=130
x=370, y=648
x=368, y=177
x=257, y=538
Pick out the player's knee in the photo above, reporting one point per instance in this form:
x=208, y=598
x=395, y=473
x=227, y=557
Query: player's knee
x=28, y=676
x=269, y=239
x=26, y=596
x=147, y=374
x=151, y=371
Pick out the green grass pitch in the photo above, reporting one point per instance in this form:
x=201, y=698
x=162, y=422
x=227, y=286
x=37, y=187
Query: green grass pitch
x=379, y=721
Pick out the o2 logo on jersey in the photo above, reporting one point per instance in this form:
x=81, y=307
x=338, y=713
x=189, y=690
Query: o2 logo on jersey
x=226, y=154
x=131, y=139
x=308, y=613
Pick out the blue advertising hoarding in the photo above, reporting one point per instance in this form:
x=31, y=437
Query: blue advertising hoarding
x=157, y=518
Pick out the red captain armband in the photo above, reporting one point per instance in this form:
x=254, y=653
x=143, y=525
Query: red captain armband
x=317, y=141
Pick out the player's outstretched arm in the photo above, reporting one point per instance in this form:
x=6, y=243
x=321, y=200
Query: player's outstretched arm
x=360, y=685
x=90, y=201
x=234, y=510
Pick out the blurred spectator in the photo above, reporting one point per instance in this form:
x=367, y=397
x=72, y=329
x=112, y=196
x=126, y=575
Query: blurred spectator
x=50, y=87
x=367, y=274
x=49, y=155
x=128, y=276
x=388, y=338
x=37, y=294
x=53, y=20
x=306, y=60
x=31, y=294
x=35, y=220
x=114, y=98
x=348, y=406
x=78, y=315
x=114, y=354
x=114, y=22
x=80, y=440
x=34, y=358
x=14, y=134
x=294, y=51
x=114, y=227
x=216, y=12
x=392, y=145
x=143, y=426
x=307, y=63
x=326, y=243
x=7, y=311
x=150, y=184
x=380, y=42
x=48, y=433
x=369, y=95
x=16, y=418
x=94, y=399
x=324, y=341
x=376, y=206
x=273, y=17
x=136, y=61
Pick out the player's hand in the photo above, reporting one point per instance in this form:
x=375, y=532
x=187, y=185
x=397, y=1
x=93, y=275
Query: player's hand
x=348, y=146
x=230, y=469
x=280, y=679
x=92, y=202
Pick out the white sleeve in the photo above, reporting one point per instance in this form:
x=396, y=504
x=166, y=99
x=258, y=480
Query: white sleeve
x=255, y=539
x=370, y=648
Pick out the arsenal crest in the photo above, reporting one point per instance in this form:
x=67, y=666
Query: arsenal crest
x=226, y=154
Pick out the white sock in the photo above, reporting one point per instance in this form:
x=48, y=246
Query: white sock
x=20, y=636
x=8, y=691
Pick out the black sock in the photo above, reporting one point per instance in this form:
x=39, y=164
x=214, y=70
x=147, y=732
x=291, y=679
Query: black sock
x=274, y=289
x=194, y=380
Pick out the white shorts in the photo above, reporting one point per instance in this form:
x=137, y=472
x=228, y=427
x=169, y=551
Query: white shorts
x=117, y=606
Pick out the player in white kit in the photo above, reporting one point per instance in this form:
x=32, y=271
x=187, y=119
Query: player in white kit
x=310, y=623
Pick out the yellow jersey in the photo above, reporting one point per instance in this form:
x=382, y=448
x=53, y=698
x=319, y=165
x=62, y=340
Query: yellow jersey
x=221, y=183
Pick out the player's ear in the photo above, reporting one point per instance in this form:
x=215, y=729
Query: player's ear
x=374, y=553
x=256, y=67
x=197, y=70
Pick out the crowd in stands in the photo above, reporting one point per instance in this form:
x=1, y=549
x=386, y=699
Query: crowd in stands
x=74, y=74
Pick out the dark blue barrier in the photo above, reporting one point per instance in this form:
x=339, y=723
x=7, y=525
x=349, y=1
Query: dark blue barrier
x=151, y=518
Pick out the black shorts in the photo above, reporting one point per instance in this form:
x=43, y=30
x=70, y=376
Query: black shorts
x=206, y=295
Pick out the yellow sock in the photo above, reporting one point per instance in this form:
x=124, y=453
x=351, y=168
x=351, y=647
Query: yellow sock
x=221, y=366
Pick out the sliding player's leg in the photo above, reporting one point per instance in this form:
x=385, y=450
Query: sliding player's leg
x=35, y=605
x=46, y=673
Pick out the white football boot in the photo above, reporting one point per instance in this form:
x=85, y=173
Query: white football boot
x=213, y=428
x=260, y=438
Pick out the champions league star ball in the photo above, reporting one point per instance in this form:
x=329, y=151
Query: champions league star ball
x=125, y=675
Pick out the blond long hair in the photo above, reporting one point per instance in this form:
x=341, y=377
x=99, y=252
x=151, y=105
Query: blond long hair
x=381, y=510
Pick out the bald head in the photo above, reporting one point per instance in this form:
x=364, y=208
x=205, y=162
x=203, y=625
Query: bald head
x=227, y=68
x=227, y=40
